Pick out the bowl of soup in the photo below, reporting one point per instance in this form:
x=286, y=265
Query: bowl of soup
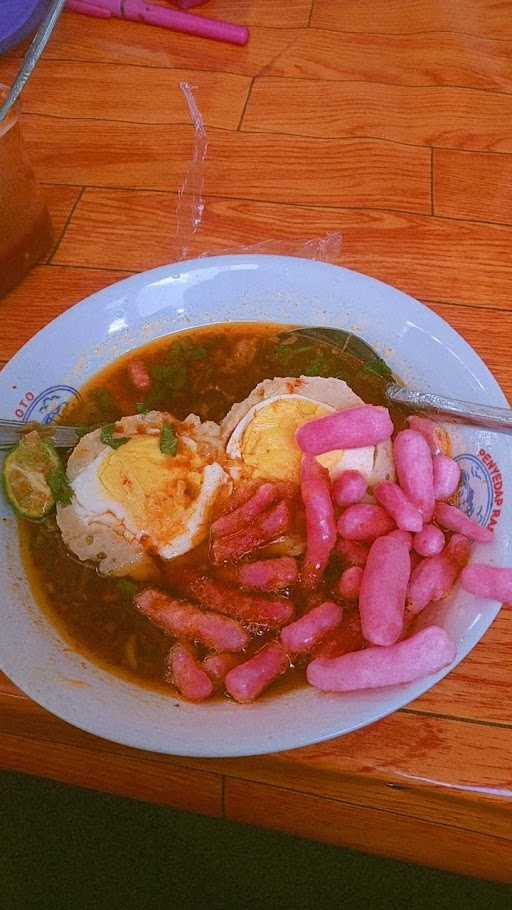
x=159, y=604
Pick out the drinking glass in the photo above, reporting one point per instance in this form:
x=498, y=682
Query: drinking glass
x=26, y=234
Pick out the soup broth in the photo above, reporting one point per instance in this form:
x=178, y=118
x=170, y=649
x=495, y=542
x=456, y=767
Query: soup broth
x=204, y=372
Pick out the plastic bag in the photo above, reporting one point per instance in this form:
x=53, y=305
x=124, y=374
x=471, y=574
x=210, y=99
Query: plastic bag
x=191, y=206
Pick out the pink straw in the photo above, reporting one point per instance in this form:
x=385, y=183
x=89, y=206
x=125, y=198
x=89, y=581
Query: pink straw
x=140, y=11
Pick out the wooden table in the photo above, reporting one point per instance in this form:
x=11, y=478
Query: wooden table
x=387, y=120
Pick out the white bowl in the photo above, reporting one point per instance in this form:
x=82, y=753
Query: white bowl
x=43, y=375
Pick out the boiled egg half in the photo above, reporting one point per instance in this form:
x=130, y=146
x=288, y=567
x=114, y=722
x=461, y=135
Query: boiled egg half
x=261, y=430
x=135, y=500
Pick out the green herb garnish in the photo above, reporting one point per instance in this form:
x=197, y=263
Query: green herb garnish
x=169, y=377
x=168, y=440
x=102, y=398
x=317, y=366
x=59, y=485
x=141, y=408
x=108, y=439
x=127, y=588
x=283, y=354
x=197, y=353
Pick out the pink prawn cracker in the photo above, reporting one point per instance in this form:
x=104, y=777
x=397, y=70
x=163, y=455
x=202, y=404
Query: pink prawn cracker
x=185, y=672
x=245, y=682
x=490, y=582
x=413, y=462
x=353, y=428
x=320, y=523
x=303, y=634
x=426, y=652
x=383, y=590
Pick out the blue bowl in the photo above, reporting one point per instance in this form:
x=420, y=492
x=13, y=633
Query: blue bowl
x=18, y=19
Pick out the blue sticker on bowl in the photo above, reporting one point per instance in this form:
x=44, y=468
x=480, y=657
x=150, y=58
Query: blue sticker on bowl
x=480, y=493
x=45, y=406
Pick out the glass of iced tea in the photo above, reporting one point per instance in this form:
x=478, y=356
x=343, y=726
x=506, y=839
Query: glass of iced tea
x=25, y=227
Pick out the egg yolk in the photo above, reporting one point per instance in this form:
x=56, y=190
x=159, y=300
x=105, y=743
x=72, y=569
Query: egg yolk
x=156, y=490
x=268, y=445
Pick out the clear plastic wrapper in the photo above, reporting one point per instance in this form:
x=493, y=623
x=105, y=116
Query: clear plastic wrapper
x=191, y=206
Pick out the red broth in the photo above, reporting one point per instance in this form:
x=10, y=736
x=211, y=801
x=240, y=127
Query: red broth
x=203, y=371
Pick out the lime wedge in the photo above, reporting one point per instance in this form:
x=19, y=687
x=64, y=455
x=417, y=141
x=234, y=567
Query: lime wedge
x=25, y=474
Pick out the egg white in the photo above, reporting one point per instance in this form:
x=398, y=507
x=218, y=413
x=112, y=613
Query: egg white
x=97, y=526
x=336, y=462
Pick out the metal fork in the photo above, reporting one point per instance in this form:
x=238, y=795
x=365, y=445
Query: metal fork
x=11, y=431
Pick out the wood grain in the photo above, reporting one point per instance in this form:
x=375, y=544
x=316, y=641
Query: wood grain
x=61, y=201
x=400, y=764
x=118, y=42
x=277, y=168
x=369, y=830
x=425, y=59
x=433, y=115
x=292, y=14
x=433, y=259
x=129, y=93
x=472, y=185
x=487, y=18
x=136, y=776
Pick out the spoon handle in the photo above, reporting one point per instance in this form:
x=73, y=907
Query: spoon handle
x=452, y=410
x=32, y=55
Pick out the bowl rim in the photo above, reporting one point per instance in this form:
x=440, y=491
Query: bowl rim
x=132, y=282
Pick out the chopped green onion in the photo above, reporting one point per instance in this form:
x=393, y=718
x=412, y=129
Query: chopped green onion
x=59, y=485
x=197, y=353
x=102, y=398
x=168, y=440
x=108, y=439
x=127, y=588
x=317, y=366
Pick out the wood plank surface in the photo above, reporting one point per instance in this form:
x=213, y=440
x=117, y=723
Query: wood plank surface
x=430, y=258
x=337, y=822
x=61, y=202
x=130, y=94
x=487, y=18
x=439, y=58
x=430, y=115
x=137, y=776
x=473, y=186
x=292, y=14
x=251, y=166
x=395, y=765
x=115, y=41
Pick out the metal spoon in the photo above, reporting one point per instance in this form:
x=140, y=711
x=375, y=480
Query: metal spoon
x=32, y=55
x=449, y=409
